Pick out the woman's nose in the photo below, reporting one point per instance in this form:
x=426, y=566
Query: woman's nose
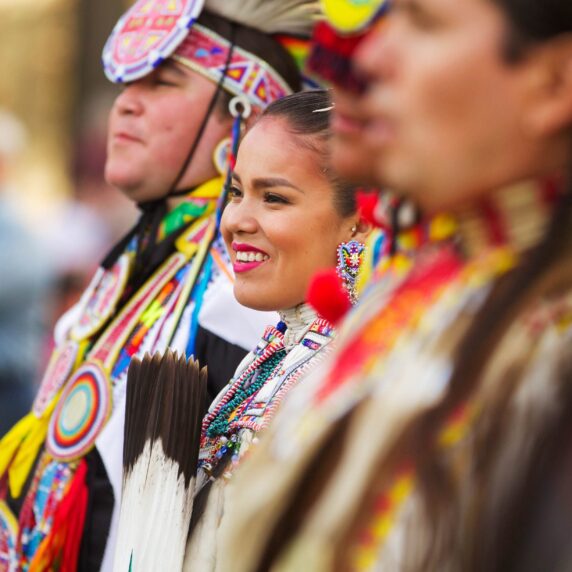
x=239, y=217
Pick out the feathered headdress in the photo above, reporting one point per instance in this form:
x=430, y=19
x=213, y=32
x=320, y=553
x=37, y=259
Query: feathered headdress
x=296, y=17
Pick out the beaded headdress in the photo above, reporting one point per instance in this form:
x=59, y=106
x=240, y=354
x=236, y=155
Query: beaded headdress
x=152, y=31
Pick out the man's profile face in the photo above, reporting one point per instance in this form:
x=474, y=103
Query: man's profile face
x=351, y=153
x=444, y=110
x=152, y=126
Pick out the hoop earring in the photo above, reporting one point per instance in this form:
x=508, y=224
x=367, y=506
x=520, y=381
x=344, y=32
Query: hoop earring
x=350, y=258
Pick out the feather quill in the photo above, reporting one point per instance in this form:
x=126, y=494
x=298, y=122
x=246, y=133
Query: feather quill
x=164, y=408
x=296, y=17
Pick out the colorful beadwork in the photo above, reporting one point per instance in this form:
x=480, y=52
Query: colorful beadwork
x=8, y=538
x=59, y=369
x=252, y=399
x=101, y=298
x=147, y=331
x=352, y=16
x=49, y=486
x=248, y=386
x=206, y=52
x=384, y=510
x=146, y=35
x=350, y=260
x=155, y=30
x=83, y=410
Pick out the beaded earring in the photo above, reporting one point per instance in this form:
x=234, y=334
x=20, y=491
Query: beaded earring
x=221, y=156
x=350, y=259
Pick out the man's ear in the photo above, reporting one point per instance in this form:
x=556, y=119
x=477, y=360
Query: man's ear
x=550, y=111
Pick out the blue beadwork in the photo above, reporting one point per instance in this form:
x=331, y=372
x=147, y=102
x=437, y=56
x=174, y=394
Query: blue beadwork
x=281, y=327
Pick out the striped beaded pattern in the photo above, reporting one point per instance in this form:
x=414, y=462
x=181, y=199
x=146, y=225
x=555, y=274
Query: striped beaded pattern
x=273, y=371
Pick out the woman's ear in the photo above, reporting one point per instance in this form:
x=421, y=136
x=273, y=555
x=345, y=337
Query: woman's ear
x=362, y=230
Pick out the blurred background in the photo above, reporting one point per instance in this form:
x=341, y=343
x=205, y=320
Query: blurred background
x=57, y=216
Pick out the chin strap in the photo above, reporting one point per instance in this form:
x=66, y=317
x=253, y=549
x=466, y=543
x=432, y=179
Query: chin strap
x=174, y=192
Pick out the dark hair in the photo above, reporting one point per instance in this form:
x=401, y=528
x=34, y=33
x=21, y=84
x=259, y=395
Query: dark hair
x=307, y=115
x=534, y=21
x=258, y=43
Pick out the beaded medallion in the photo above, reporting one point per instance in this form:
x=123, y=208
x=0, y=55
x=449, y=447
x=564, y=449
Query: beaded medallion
x=59, y=369
x=82, y=412
x=101, y=298
x=148, y=33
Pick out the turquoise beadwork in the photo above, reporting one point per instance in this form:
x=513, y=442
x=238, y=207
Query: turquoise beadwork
x=220, y=424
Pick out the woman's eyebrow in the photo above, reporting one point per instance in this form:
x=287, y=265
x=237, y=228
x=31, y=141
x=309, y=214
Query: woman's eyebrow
x=272, y=182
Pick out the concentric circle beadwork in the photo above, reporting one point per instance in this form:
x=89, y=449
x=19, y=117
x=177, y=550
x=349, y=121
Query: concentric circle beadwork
x=82, y=412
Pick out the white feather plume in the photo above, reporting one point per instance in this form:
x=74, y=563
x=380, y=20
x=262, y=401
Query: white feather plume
x=270, y=16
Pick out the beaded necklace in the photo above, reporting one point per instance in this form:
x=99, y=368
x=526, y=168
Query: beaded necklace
x=250, y=400
x=247, y=387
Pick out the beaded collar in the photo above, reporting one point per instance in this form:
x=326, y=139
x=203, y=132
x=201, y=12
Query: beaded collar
x=272, y=369
x=298, y=321
x=516, y=216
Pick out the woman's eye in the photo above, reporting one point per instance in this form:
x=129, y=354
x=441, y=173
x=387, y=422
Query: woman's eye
x=275, y=199
x=234, y=193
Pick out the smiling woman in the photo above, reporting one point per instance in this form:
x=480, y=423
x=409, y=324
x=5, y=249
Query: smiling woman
x=286, y=217
x=287, y=213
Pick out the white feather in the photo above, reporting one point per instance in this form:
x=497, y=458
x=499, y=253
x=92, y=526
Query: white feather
x=270, y=16
x=156, y=510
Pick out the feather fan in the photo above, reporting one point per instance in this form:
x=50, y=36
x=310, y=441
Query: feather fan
x=270, y=16
x=164, y=409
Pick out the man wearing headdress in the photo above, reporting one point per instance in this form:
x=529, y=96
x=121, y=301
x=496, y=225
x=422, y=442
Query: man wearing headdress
x=189, y=77
x=437, y=435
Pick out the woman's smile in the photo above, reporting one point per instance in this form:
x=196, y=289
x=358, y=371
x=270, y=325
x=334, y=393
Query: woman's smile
x=247, y=257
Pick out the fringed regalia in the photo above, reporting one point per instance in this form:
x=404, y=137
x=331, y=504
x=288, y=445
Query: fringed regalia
x=337, y=482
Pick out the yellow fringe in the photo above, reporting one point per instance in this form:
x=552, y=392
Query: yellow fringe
x=19, y=448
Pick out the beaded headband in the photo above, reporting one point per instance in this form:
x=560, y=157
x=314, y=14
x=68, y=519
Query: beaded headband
x=152, y=31
x=206, y=52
